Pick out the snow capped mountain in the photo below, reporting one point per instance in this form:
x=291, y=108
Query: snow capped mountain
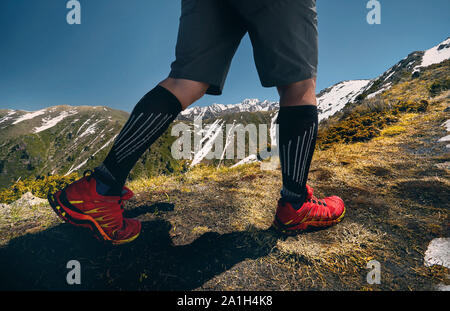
x=217, y=110
x=409, y=66
x=334, y=98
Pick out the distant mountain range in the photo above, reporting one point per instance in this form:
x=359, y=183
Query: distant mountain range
x=65, y=139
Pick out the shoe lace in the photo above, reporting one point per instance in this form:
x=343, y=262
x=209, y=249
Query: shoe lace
x=319, y=208
x=315, y=200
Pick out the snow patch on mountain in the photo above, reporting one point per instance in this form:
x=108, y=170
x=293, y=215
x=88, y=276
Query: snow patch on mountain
x=29, y=115
x=92, y=129
x=333, y=99
x=435, y=55
x=385, y=88
x=73, y=169
x=50, y=122
x=390, y=73
x=8, y=116
x=105, y=145
x=82, y=125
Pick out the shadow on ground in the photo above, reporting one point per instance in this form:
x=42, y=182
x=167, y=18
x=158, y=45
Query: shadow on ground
x=152, y=262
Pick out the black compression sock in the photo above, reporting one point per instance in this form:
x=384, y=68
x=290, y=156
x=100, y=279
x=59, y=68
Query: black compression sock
x=297, y=136
x=149, y=119
x=106, y=184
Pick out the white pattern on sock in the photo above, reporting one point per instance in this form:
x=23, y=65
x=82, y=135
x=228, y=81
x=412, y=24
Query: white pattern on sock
x=138, y=132
x=288, y=158
x=307, y=153
x=296, y=155
x=126, y=129
x=300, y=155
x=149, y=136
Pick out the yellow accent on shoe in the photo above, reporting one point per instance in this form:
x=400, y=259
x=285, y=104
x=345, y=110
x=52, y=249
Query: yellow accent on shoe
x=342, y=216
x=104, y=218
x=119, y=242
x=96, y=210
x=108, y=225
x=75, y=202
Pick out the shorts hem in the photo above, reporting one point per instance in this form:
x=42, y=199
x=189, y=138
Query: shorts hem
x=214, y=88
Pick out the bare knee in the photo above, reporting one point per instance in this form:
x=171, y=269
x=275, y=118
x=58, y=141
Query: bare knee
x=298, y=93
x=187, y=91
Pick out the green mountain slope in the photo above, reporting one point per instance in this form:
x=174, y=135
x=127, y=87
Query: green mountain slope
x=65, y=139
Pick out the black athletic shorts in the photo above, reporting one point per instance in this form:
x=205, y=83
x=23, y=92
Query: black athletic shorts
x=283, y=34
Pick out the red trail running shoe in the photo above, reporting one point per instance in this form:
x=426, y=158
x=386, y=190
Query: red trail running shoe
x=315, y=213
x=79, y=204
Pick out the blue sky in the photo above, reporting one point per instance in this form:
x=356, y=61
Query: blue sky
x=123, y=48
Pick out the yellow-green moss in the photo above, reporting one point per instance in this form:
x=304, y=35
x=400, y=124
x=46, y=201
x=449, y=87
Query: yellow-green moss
x=40, y=186
x=393, y=130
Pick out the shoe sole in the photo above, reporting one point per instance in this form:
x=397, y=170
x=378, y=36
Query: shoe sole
x=75, y=217
x=305, y=226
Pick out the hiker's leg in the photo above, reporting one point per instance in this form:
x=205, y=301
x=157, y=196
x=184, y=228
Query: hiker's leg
x=298, y=209
x=298, y=122
x=187, y=91
x=285, y=44
x=298, y=94
x=149, y=120
x=209, y=34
